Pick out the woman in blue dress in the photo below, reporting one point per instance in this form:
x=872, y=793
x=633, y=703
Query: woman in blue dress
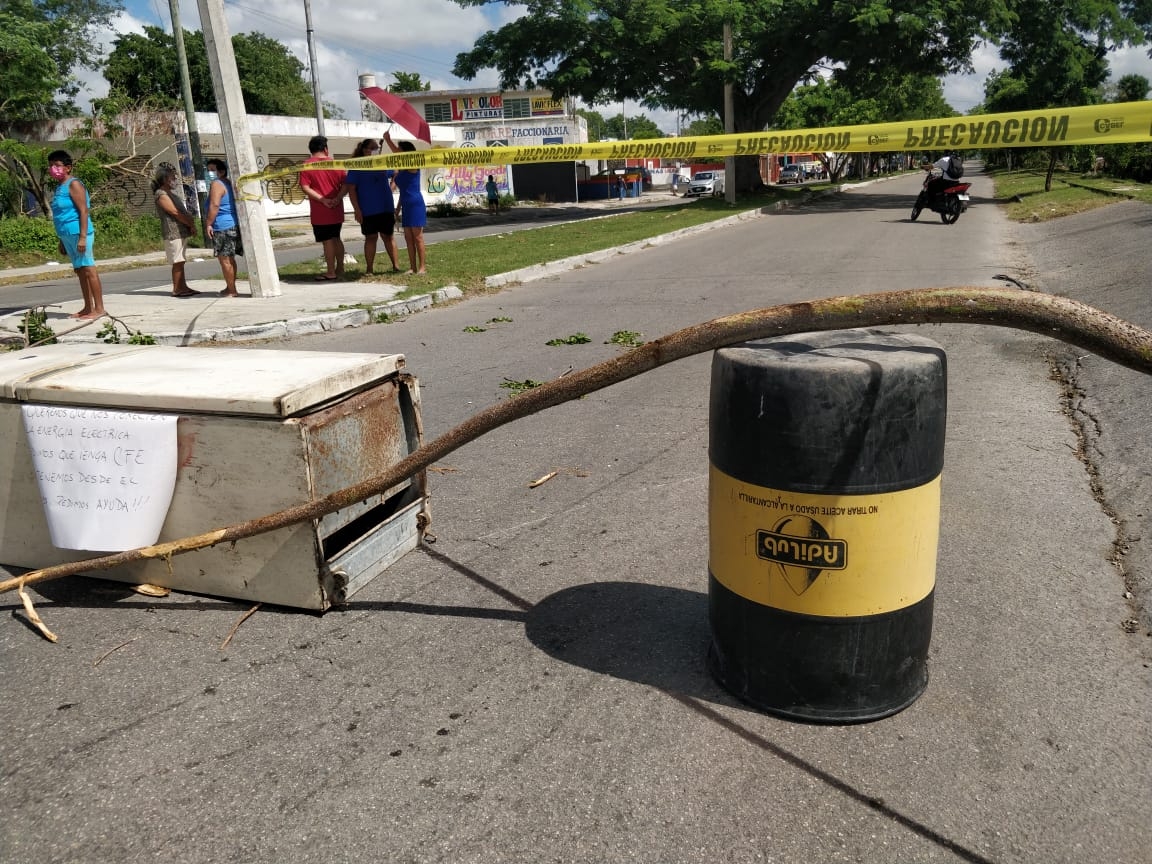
x=413, y=212
x=76, y=233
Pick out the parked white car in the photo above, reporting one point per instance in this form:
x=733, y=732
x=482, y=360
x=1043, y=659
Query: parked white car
x=705, y=183
x=791, y=174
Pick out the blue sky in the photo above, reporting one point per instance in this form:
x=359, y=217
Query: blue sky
x=351, y=37
x=424, y=36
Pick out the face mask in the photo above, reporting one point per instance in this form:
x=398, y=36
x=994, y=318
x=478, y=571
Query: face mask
x=211, y=176
x=58, y=172
x=371, y=152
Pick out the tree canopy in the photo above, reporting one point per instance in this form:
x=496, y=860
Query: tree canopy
x=620, y=127
x=41, y=43
x=670, y=53
x=870, y=99
x=408, y=82
x=1057, y=53
x=272, y=80
x=1132, y=88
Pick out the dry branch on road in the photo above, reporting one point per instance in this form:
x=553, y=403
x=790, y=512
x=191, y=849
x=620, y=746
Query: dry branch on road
x=1057, y=317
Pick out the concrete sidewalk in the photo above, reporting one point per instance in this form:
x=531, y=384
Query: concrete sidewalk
x=305, y=305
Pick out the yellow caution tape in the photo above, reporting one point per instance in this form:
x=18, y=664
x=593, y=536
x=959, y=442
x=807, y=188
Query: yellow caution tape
x=1113, y=123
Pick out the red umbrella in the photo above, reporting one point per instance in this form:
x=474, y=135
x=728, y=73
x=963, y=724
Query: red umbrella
x=398, y=111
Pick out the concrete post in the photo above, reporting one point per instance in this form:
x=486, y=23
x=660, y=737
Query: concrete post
x=262, y=275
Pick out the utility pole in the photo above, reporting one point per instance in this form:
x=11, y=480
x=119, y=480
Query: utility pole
x=729, y=120
x=312, y=62
x=262, y=275
x=190, y=117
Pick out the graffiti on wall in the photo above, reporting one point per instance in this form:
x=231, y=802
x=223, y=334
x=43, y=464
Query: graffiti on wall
x=285, y=189
x=130, y=186
x=460, y=181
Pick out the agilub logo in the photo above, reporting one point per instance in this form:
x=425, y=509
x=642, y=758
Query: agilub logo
x=802, y=549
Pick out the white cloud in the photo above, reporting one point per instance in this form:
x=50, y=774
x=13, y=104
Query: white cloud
x=964, y=92
x=1130, y=61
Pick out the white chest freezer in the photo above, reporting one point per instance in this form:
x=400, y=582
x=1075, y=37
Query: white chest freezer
x=257, y=431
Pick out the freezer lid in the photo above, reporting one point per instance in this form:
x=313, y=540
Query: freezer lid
x=17, y=367
x=257, y=382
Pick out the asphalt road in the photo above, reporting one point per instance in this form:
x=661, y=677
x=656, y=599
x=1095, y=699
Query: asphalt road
x=532, y=686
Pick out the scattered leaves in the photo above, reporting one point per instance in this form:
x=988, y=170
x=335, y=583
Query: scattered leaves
x=35, y=328
x=626, y=337
x=472, y=328
x=518, y=387
x=109, y=335
x=500, y=320
x=574, y=339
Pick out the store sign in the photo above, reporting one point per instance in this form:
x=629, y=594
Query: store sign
x=542, y=107
x=478, y=107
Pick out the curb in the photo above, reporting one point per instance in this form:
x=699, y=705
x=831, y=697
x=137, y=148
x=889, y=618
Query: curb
x=319, y=323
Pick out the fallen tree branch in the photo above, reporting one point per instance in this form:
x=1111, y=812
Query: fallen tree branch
x=1058, y=317
x=236, y=626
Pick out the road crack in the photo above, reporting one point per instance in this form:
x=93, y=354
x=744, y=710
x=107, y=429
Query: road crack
x=1066, y=371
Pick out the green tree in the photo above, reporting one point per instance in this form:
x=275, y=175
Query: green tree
x=1132, y=88
x=42, y=42
x=271, y=78
x=597, y=126
x=144, y=64
x=700, y=127
x=408, y=82
x=624, y=128
x=670, y=53
x=870, y=97
x=1057, y=55
x=28, y=77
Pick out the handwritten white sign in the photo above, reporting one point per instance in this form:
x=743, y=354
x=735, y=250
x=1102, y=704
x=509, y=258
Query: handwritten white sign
x=106, y=477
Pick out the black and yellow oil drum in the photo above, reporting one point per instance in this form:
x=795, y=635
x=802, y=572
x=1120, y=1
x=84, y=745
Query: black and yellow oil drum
x=825, y=455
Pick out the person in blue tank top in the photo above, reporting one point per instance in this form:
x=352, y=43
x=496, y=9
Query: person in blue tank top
x=223, y=227
x=75, y=232
x=373, y=206
x=413, y=212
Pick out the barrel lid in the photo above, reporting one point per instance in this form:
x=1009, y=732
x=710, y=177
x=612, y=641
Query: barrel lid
x=260, y=382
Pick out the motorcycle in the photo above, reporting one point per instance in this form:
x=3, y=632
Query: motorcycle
x=949, y=202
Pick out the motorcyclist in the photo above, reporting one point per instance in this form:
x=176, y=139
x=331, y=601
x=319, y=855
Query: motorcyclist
x=938, y=184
